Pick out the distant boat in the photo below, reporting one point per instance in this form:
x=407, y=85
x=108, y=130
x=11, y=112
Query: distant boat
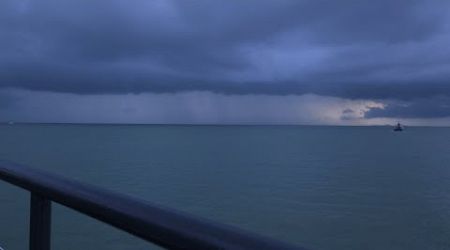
x=398, y=127
x=10, y=123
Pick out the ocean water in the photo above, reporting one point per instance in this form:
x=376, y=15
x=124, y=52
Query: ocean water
x=318, y=187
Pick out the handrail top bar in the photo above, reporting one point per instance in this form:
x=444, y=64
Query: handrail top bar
x=163, y=226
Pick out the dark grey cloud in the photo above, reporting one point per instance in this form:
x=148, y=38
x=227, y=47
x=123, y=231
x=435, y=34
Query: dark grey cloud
x=396, y=50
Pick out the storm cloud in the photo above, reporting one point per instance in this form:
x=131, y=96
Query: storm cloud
x=385, y=51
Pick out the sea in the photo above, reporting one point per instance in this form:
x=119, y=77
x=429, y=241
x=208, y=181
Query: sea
x=319, y=187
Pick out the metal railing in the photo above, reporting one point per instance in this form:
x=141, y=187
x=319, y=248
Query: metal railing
x=162, y=226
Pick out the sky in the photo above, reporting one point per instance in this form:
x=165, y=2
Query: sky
x=349, y=62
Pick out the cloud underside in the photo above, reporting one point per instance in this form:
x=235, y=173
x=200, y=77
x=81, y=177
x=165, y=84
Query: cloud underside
x=390, y=52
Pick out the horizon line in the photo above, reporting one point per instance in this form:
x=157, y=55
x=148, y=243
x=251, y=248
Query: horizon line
x=210, y=124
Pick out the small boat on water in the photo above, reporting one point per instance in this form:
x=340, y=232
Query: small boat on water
x=398, y=127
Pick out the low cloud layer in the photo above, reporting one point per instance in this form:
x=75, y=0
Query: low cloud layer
x=391, y=52
x=422, y=108
x=179, y=108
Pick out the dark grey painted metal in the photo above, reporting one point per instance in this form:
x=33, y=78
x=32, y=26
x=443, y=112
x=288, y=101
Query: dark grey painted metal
x=163, y=226
x=40, y=222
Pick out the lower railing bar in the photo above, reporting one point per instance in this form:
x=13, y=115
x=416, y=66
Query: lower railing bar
x=163, y=226
x=40, y=222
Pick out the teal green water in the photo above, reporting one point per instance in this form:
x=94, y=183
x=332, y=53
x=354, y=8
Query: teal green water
x=319, y=187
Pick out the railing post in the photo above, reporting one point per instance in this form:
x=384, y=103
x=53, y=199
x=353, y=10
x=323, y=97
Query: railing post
x=40, y=222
